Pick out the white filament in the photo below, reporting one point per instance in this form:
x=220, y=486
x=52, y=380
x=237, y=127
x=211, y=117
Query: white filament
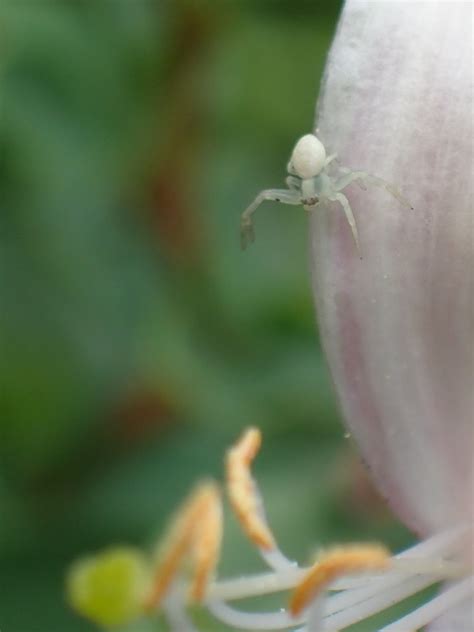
x=445, y=544
x=257, y=585
x=357, y=598
x=278, y=561
x=174, y=608
x=280, y=620
x=315, y=613
x=377, y=602
x=439, y=605
x=422, y=557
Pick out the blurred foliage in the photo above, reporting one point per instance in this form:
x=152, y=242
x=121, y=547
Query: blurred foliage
x=137, y=340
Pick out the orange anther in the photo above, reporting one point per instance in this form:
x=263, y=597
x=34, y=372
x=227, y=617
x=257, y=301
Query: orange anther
x=333, y=564
x=243, y=493
x=206, y=548
x=184, y=533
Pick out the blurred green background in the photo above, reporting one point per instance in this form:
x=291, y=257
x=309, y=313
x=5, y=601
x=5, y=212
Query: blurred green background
x=137, y=340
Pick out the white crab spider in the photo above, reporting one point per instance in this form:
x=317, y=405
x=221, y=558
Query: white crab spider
x=310, y=184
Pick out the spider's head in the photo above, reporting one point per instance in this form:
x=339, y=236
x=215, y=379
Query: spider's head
x=308, y=157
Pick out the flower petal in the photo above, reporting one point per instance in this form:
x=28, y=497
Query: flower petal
x=397, y=325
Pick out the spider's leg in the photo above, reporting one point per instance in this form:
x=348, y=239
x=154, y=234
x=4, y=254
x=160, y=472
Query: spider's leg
x=391, y=189
x=284, y=196
x=293, y=183
x=344, y=202
x=359, y=177
x=363, y=177
x=330, y=159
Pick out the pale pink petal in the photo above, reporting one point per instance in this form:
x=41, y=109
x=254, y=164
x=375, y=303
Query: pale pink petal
x=397, y=325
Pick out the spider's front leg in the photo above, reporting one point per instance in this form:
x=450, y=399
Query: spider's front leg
x=284, y=196
x=330, y=159
x=293, y=183
x=344, y=202
x=362, y=177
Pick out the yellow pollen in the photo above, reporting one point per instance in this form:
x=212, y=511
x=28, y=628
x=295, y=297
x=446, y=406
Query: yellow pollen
x=196, y=528
x=242, y=490
x=334, y=563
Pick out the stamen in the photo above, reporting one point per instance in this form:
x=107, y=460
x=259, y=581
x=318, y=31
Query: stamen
x=254, y=621
x=314, y=615
x=433, y=609
x=255, y=585
x=333, y=564
x=246, y=501
x=207, y=546
x=370, y=588
x=196, y=534
x=242, y=490
x=174, y=607
x=379, y=592
x=424, y=557
x=380, y=600
x=181, y=535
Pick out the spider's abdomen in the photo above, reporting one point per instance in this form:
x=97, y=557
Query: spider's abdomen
x=308, y=157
